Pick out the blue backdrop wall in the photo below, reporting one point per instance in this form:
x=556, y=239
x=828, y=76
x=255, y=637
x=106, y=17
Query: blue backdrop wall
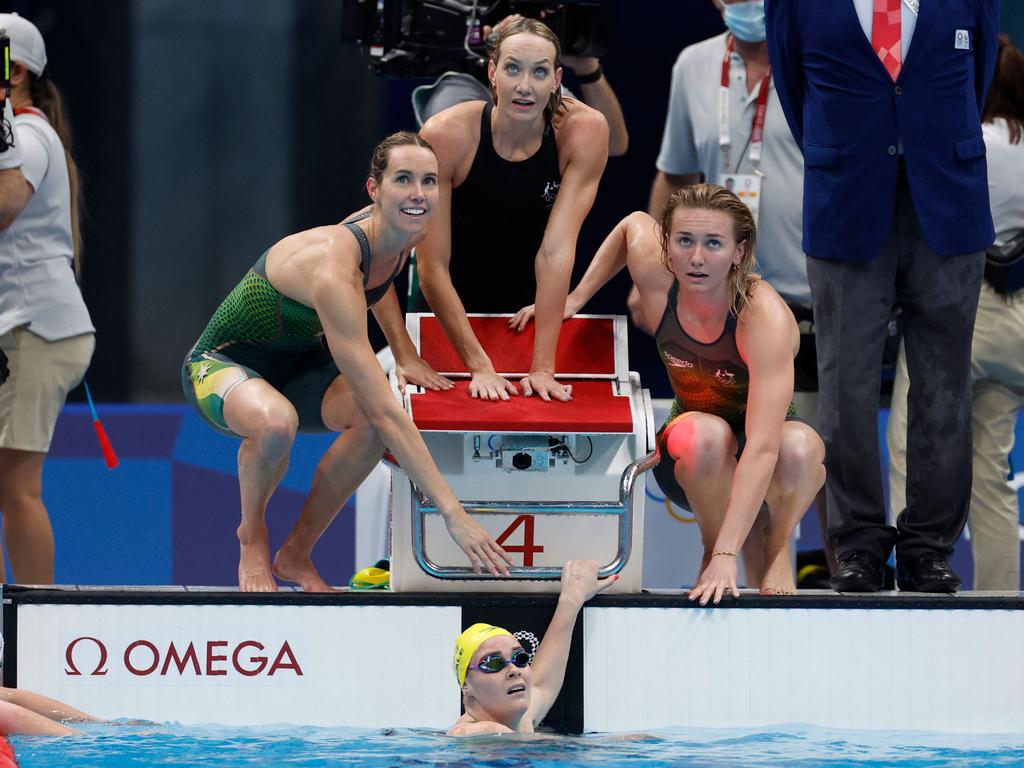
x=168, y=513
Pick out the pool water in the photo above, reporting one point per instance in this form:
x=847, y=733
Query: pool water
x=121, y=746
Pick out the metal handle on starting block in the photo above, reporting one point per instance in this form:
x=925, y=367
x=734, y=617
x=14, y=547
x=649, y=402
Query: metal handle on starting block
x=422, y=507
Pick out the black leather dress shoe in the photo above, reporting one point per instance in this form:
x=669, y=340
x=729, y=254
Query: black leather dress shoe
x=928, y=573
x=857, y=571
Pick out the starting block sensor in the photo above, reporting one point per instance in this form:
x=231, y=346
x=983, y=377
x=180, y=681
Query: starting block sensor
x=526, y=453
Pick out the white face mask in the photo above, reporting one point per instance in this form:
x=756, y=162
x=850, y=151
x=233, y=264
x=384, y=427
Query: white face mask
x=746, y=20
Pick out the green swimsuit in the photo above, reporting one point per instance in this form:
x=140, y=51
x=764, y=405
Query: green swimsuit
x=258, y=332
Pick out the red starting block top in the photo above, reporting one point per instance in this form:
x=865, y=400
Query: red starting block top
x=586, y=346
x=594, y=409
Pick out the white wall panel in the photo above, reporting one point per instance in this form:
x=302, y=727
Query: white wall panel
x=353, y=662
x=928, y=670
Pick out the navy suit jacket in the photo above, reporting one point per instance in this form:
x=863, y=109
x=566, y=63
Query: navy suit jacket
x=849, y=117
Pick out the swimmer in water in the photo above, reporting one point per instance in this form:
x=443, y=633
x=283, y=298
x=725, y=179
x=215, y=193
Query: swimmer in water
x=506, y=689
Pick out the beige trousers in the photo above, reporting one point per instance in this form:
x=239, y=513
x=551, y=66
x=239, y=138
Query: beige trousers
x=997, y=370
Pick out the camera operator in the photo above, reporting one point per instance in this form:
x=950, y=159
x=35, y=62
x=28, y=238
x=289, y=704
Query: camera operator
x=45, y=329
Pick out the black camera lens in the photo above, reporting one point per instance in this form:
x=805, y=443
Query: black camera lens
x=522, y=460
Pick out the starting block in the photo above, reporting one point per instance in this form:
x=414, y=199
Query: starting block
x=551, y=481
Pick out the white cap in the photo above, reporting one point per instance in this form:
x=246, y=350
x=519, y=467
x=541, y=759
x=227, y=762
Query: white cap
x=27, y=44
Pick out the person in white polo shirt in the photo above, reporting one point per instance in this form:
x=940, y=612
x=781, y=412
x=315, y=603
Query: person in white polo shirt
x=46, y=333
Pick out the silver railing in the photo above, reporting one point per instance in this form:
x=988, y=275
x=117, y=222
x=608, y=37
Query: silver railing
x=422, y=506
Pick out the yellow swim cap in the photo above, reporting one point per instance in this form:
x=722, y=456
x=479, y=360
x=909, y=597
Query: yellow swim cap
x=467, y=643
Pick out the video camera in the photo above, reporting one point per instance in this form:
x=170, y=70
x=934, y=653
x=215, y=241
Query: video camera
x=423, y=38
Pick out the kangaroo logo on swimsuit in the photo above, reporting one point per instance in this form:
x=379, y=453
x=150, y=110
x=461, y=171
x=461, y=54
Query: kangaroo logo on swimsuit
x=725, y=377
x=550, y=192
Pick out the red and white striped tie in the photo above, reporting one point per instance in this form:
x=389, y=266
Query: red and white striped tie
x=885, y=35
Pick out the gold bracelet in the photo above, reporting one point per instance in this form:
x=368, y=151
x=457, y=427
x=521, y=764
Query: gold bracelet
x=728, y=554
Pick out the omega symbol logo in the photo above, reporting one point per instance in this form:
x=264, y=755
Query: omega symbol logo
x=87, y=656
x=69, y=656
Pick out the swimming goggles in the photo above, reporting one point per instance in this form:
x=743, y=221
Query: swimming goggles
x=496, y=662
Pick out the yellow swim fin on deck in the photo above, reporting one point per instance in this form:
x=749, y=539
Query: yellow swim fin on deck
x=377, y=576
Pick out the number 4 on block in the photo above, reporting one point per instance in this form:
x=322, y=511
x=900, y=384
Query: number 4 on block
x=527, y=548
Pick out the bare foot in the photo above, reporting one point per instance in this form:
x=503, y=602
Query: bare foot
x=766, y=590
x=778, y=574
x=299, y=569
x=254, y=574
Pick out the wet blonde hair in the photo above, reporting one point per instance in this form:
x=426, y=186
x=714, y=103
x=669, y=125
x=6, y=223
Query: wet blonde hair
x=540, y=29
x=711, y=197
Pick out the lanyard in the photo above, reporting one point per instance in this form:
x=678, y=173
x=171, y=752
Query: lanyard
x=760, y=111
x=30, y=111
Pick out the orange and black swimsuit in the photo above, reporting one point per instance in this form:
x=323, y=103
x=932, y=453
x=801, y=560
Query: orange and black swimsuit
x=710, y=378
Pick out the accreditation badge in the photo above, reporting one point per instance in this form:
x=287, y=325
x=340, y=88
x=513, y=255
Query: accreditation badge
x=747, y=187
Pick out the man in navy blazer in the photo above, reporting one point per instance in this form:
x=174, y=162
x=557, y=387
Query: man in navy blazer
x=884, y=97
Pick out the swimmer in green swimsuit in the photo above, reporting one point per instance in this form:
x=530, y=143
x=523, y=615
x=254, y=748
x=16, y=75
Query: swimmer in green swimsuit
x=287, y=350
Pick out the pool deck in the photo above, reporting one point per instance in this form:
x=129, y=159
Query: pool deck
x=649, y=598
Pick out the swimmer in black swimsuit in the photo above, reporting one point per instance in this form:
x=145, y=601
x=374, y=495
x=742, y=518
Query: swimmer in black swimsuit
x=733, y=440
x=288, y=350
x=516, y=181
